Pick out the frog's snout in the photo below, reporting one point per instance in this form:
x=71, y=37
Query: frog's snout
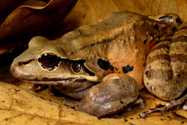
x=19, y=70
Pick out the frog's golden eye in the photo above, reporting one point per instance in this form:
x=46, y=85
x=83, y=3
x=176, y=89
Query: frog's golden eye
x=76, y=67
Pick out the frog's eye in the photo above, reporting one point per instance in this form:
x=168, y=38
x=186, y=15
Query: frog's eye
x=49, y=61
x=76, y=67
x=127, y=68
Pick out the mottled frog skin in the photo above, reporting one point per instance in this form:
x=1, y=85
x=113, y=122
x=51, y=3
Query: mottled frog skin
x=101, y=64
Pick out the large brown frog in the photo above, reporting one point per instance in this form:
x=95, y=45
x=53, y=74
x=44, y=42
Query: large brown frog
x=101, y=64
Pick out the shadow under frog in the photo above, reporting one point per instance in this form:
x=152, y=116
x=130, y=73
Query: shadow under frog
x=101, y=64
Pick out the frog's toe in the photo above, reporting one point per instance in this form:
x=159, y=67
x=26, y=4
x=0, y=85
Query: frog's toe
x=113, y=94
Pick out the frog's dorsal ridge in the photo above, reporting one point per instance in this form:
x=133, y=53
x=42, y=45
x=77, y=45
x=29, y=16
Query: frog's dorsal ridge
x=101, y=33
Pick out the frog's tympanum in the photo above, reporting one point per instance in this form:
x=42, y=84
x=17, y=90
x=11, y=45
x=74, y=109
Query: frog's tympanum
x=103, y=64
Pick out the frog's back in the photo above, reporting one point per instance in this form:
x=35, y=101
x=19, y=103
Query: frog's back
x=91, y=35
x=122, y=39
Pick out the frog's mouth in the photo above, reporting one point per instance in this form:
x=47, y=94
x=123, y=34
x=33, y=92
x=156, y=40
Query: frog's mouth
x=69, y=82
x=69, y=85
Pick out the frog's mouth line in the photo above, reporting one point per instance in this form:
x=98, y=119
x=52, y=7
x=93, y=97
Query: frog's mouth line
x=62, y=81
x=45, y=80
x=57, y=81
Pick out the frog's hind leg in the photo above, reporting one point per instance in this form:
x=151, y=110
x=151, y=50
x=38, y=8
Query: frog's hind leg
x=110, y=96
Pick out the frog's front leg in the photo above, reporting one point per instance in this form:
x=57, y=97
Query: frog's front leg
x=110, y=96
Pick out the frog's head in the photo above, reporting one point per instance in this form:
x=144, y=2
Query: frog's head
x=45, y=61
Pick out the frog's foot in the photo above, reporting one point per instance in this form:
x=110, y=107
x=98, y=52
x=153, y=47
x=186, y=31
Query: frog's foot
x=114, y=93
x=167, y=107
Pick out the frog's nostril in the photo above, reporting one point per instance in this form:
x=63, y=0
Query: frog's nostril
x=49, y=61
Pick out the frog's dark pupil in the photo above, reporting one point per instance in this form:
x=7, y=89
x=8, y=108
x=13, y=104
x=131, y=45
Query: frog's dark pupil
x=76, y=67
x=49, y=61
x=127, y=68
x=104, y=64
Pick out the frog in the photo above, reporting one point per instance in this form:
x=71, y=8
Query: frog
x=101, y=65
